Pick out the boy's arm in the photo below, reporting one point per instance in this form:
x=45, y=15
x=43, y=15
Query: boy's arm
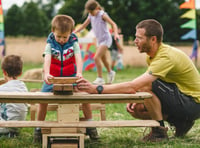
x=79, y=64
x=78, y=58
x=46, y=68
x=47, y=63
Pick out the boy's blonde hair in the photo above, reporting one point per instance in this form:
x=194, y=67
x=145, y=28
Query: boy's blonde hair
x=62, y=23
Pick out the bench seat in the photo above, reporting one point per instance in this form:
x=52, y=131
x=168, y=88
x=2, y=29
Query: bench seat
x=80, y=124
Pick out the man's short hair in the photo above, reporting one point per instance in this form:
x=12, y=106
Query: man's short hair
x=152, y=28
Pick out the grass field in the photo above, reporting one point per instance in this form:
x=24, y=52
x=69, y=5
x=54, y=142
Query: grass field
x=110, y=137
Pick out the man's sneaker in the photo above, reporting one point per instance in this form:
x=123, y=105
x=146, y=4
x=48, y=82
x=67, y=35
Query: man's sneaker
x=157, y=134
x=37, y=135
x=99, y=81
x=111, y=76
x=182, y=126
x=92, y=132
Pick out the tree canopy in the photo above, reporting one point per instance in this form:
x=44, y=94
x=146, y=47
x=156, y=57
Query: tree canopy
x=34, y=17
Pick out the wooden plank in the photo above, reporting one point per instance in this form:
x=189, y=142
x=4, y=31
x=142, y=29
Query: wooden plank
x=42, y=97
x=64, y=145
x=2, y=81
x=58, y=130
x=54, y=124
x=31, y=81
x=63, y=87
x=63, y=80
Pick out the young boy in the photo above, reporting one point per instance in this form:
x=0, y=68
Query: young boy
x=12, y=69
x=62, y=58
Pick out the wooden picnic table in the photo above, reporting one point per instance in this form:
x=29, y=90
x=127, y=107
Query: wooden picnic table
x=68, y=112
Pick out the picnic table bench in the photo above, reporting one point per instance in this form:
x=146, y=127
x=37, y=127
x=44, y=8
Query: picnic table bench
x=68, y=112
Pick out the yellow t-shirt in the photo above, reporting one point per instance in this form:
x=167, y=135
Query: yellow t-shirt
x=174, y=66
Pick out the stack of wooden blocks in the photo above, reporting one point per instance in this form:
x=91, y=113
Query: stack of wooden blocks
x=64, y=137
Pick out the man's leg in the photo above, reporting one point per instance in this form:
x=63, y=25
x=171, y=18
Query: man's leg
x=180, y=108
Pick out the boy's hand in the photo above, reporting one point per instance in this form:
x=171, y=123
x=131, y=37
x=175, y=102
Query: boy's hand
x=79, y=75
x=46, y=77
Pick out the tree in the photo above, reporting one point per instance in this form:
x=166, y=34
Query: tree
x=127, y=13
x=14, y=21
x=37, y=23
x=74, y=8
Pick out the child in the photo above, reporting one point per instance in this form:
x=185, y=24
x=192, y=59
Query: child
x=12, y=69
x=99, y=19
x=62, y=58
x=116, y=51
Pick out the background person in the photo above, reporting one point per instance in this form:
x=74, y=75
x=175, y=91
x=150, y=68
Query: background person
x=12, y=68
x=99, y=19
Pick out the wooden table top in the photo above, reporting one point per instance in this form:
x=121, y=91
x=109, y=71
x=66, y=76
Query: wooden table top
x=76, y=98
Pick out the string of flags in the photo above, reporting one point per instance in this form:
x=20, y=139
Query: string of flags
x=2, y=37
x=191, y=24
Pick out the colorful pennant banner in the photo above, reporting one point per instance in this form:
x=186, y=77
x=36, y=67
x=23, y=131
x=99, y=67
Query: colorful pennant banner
x=191, y=14
x=2, y=37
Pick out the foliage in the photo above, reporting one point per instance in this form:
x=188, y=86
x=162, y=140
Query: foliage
x=34, y=18
x=14, y=25
x=37, y=22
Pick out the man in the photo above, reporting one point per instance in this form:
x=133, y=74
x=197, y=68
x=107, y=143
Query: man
x=172, y=79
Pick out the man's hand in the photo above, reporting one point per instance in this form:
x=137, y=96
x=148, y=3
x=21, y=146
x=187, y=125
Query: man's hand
x=85, y=85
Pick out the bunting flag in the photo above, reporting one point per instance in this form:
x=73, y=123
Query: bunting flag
x=190, y=24
x=188, y=5
x=2, y=38
x=191, y=14
x=190, y=35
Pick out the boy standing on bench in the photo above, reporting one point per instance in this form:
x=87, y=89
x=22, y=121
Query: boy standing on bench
x=12, y=69
x=62, y=58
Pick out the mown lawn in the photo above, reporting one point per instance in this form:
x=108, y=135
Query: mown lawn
x=110, y=137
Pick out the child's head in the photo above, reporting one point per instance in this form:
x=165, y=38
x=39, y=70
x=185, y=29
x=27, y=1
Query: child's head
x=12, y=66
x=91, y=6
x=62, y=26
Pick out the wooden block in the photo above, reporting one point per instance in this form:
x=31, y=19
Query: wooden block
x=46, y=130
x=63, y=87
x=68, y=108
x=63, y=138
x=58, y=130
x=63, y=130
x=63, y=92
x=68, y=112
x=64, y=145
x=68, y=118
x=63, y=80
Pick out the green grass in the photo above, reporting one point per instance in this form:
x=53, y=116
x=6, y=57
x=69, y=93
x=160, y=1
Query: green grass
x=110, y=137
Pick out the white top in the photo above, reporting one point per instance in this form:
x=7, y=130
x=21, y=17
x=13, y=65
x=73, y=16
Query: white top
x=7, y=109
x=99, y=27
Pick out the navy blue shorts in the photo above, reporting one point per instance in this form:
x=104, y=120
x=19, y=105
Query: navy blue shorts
x=174, y=103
